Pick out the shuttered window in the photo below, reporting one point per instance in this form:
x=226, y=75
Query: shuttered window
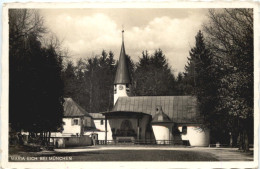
x=75, y=122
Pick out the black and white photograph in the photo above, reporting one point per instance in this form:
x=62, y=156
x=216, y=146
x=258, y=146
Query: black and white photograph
x=109, y=83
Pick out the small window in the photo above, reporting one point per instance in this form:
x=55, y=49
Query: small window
x=127, y=88
x=115, y=89
x=184, y=130
x=75, y=122
x=101, y=122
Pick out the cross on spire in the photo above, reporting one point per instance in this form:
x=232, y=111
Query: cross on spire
x=123, y=33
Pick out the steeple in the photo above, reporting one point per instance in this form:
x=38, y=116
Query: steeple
x=122, y=79
x=122, y=74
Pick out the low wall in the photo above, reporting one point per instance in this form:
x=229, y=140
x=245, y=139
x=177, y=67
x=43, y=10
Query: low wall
x=78, y=141
x=72, y=141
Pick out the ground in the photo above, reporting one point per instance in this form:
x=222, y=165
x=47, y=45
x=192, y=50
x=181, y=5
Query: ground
x=135, y=153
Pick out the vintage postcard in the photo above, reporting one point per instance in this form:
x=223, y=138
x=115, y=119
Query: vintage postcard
x=130, y=85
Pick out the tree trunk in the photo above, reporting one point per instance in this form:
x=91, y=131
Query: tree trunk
x=48, y=139
x=246, y=142
x=243, y=141
x=240, y=137
x=234, y=137
x=41, y=136
x=45, y=138
x=231, y=140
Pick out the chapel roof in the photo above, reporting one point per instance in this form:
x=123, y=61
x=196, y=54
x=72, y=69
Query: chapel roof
x=122, y=74
x=72, y=109
x=179, y=109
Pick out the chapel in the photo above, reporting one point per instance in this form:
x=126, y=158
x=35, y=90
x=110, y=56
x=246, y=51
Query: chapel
x=149, y=119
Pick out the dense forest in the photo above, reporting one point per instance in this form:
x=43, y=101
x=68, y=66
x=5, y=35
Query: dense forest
x=90, y=82
x=219, y=72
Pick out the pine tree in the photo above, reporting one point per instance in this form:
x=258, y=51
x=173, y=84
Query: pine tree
x=92, y=87
x=194, y=64
x=69, y=79
x=203, y=80
x=179, y=89
x=153, y=76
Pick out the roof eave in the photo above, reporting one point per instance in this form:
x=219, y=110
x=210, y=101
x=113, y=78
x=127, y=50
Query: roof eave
x=73, y=116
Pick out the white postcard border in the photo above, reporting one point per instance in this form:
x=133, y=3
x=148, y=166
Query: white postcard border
x=5, y=87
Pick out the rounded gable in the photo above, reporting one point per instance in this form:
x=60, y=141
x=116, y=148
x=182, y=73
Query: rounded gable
x=160, y=116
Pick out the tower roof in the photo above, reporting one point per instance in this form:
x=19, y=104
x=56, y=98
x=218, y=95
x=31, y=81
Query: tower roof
x=122, y=74
x=72, y=109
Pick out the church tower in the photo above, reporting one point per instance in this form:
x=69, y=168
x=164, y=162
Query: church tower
x=122, y=79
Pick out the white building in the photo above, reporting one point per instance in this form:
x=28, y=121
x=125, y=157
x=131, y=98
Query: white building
x=75, y=120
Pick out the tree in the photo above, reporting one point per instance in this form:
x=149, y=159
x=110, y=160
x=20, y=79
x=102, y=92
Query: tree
x=36, y=88
x=52, y=90
x=153, y=75
x=202, y=75
x=90, y=82
x=69, y=79
x=194, y=64
x=179, y=84
x=230, y=38
x=22, y=23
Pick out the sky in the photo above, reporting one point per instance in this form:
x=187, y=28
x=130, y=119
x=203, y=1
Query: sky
x=86, y=32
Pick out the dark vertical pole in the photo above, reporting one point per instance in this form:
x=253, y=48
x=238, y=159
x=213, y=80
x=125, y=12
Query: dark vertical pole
x=138, y=129
x=170, y=131
x=105, y=129
x=231, y=140
x=49, y=138
x=81, y=127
